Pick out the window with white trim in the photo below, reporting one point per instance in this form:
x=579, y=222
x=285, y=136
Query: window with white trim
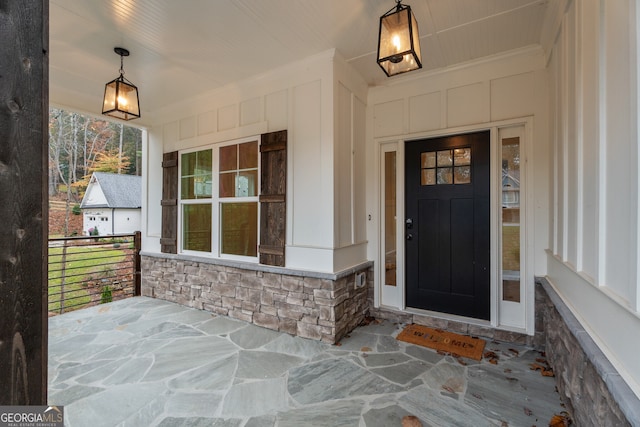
x=218, y=201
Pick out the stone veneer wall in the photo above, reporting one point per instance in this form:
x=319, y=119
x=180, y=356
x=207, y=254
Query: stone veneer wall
x=596, y=392
x=312, y=305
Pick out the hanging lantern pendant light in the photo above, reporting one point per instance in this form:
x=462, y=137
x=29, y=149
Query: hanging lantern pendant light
x=399, y=41
x=120, y=95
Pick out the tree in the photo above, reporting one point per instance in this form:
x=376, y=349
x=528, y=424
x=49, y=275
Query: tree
x=80, y=145
x=110, y=161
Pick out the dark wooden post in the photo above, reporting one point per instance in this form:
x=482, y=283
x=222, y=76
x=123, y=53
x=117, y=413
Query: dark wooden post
x=137, y=244
x=24, y=114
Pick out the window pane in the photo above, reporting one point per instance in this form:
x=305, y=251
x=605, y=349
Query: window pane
x=196, y=178
x=248, y=153
x=390, y=218
x=444, y=176
x=428, y=160
x=428, y=177
x=239, y=228
x=196, y=187
x=196, y=227
x=227, y=184
x=188, y=187
x=511, y=219
x=229, y=158
x=445, y=158
x=202, y=186
x=204, y=162
x=188, y=163
x=247, y=184
x=462, y=174
x=462, y=156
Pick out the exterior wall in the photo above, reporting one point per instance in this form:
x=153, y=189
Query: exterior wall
x=126, y=220
x=314, y=306
x=300, y=98
x=118, y=221
x=350, y=97
x=487, y=94
x=100, y=218
x=594, y=241
x=94, y=196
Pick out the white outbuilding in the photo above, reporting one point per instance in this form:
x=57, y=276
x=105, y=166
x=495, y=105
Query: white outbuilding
x=111, y=204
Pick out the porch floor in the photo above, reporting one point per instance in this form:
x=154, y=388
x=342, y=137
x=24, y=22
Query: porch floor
x=147, y=362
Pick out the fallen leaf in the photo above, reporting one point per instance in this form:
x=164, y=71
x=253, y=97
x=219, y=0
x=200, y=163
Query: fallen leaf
x=507, y=371
x=493, y=361
x=504, y=424
x=547, y=373
x=560, y=420
x=490, y=354
x=477, y=396
x=365, y=349
x=536, y=367
x=511, y=379
x=541, y=360
x=528, y=412
x=411, y=421
x=338, y=344
x=460, y=361
x=513, y=350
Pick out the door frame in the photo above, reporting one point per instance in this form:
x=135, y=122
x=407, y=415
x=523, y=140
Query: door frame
x=500, y=318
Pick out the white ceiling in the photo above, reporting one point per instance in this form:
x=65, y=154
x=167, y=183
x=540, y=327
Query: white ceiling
x=182, y=48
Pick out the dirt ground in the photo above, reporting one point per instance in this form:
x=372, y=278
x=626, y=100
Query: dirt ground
x=57, y=216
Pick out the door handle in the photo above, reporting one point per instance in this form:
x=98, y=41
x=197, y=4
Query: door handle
x=409, y=223
x=409, y=236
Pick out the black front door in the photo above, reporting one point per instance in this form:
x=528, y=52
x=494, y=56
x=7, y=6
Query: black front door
x=447, y=227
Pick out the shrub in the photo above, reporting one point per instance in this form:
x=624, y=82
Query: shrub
x=106, y=295
x=76, y=209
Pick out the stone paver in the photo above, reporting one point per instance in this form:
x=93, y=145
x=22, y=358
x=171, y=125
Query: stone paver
x=148, y=362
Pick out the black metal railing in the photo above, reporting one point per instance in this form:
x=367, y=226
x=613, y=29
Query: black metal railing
x=90, y=270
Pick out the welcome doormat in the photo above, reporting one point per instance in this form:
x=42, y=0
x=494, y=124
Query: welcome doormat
x=461, y=345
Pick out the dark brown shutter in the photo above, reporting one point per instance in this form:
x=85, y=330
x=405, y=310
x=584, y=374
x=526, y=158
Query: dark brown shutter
x=168, y=240
x=273, y=187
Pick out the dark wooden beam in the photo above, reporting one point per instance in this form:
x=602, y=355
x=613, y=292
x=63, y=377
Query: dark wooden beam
x=24, y=114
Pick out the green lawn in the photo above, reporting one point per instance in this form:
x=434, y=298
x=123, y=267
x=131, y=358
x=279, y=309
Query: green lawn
x=82, y=264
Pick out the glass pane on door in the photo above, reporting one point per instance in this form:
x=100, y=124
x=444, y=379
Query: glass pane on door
x=390, y=218
x=511, y=219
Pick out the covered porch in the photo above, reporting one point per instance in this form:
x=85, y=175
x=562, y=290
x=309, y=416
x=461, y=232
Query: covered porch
x=565, y=85
x=144, y=361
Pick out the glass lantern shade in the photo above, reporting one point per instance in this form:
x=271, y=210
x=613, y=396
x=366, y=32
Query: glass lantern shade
x=399, y=42
x=121, y=99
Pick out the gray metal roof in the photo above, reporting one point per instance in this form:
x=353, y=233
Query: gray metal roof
x=121, y=191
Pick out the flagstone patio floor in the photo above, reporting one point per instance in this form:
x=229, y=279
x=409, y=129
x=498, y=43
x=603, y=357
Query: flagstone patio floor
x=147, y=362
